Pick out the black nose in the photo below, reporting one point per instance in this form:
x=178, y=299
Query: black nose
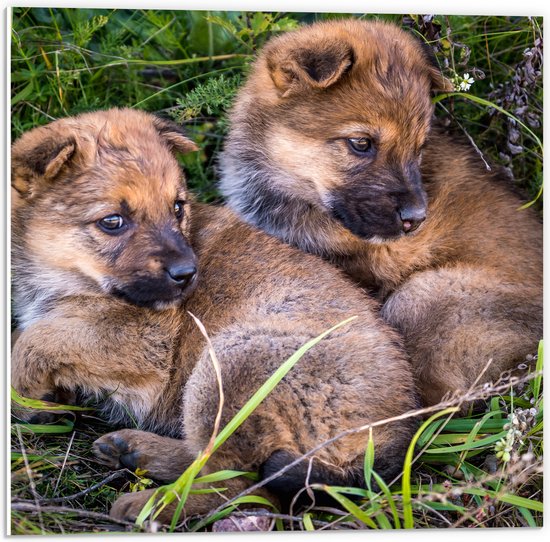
x=181, y=273
x=412, y=217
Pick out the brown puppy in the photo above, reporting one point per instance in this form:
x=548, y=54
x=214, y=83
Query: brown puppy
x=330, y=150
x=106, y=248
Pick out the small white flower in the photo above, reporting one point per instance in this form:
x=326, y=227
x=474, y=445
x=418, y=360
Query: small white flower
x=465, y=82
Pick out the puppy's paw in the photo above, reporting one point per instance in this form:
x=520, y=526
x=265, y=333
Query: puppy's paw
x=119, y=449
x=163, y=458
x=128, y=507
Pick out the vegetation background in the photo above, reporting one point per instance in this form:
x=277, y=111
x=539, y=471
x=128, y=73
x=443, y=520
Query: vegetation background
x=482, y=469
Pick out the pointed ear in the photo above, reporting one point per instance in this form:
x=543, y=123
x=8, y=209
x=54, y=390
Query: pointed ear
x=174, y=135
x=315, y=66
x=38, y=158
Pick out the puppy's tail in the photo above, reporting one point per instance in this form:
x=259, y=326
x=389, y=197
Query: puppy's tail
x=290, y=483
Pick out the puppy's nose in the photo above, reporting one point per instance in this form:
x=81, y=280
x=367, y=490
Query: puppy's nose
x=181, y=273
x=412, y=217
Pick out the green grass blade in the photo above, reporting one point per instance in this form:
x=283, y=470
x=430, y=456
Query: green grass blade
x=468, y=446
x=465, y=425
x=42, y=405
x=308, y=524
x=538, y=380
x=383, y=521
x=349, y=505
x=207, y=491
x=192, y=473
x=445, y=507
x=508, y=498
x=150, y=504
x=222, y=475
x=37, y=429
x=369, y=460
x=387, y=493
x=357, y=491
x=528, y=517
x=23, y=94
x=407, y=467
x=270, y=383
x=429, y=432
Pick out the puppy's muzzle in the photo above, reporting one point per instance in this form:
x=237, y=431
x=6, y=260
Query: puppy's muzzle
x=411, y=217
x=181, y=273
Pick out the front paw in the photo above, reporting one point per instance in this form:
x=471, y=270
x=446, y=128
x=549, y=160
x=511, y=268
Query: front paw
x=163, y=458
x=118, y=449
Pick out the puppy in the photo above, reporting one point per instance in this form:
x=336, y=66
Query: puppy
x=331, y=149
x=108, y=258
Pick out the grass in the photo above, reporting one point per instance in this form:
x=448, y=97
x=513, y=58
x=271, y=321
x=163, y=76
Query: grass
x=482, y=468
x=189, y=65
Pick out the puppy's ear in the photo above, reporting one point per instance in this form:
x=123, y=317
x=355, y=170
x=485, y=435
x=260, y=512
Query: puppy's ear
x=312, y=65
x=174, y=135
x=38, y=158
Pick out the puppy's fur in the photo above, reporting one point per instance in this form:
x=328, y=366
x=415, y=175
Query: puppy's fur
x=102, y=311
x=464, y=286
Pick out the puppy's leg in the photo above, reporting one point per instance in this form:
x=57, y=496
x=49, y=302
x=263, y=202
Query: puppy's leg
x=163, y=458
x=454, y=320
x=99, y=349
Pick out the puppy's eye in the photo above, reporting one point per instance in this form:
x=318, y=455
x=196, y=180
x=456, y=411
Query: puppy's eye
x=178, y=209
x=360, y=145
x=111, y=224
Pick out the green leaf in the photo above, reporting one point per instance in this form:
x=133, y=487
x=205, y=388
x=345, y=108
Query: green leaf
x=224, y=475
x=468, y=446
x=23, y=94
x=37, y=429
x=42, y=405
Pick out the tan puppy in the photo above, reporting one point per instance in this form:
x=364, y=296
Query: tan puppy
x=330, y=150
x=108, y=257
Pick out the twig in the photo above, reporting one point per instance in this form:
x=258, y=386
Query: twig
x=64, y=462
x=29, y=506
x=110, y=478
x=470, y=138
x=218, y=372
x=32, y=485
